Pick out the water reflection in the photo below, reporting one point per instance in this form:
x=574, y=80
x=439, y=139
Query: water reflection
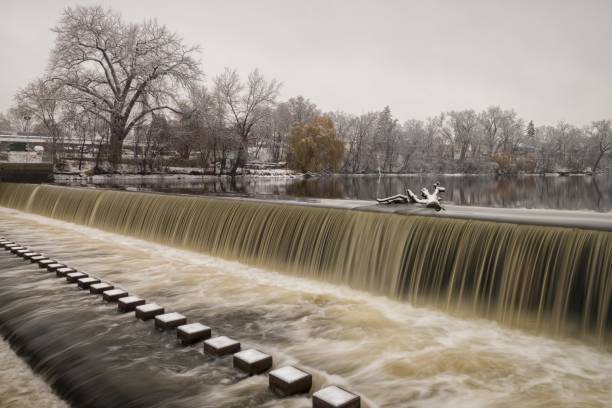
x=564, y=193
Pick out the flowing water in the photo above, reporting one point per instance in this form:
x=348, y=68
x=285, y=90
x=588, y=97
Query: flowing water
x=391, y=353
x=353, y=297
x=20, y=387
x=550, y=278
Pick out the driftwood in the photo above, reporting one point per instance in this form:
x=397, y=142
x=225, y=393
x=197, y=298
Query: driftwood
x=429, y=200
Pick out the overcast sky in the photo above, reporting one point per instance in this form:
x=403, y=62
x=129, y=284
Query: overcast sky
x=549, y=60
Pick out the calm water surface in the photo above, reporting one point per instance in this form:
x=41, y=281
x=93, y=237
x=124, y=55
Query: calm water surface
x=529, y=191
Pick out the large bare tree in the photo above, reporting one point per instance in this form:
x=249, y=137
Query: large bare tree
x=247, y=105
x=121, y=72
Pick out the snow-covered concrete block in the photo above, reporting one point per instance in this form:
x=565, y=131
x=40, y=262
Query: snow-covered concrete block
x=289, y=380
x=220, y=346
x=43, y=263
x=62, y=272
x=73, y=277
x=192, y=333
x=98, y=288
x=85, y=283
x=148, y=311
x=55, y=266
x=335, y=397
x=252, y=361
x=169, y=321
x=114, y=295
x=129, y=303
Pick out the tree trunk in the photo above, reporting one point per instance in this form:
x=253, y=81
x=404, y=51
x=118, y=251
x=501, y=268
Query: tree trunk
x=115, y=148
x=117, y=136
x=594, y=169
x=429, y=200
x=240, y=158
x=98, y=157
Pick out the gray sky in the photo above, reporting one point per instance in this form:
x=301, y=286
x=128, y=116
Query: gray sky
x=549, y=60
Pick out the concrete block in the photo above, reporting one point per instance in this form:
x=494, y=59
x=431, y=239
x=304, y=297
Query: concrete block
x=85, y=283
x=73, y=277
x=192, y=333
x=335, y=397
x=43, y=263
x=37, y=258
x=17, y=248
x=55, y=266
x=169, y=321
x=29, y=254
x=148, y=311
x=8, y=247
x=114, y=295
x=252, y=361
x=220, y=346
x=62, y=272
x=98, y=288
x=21, y=252
x=129, y=303
x=286, y=381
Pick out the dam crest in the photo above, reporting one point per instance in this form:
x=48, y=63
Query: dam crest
x=551, y=278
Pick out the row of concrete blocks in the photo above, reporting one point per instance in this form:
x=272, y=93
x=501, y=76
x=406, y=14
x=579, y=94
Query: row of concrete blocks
x=284, y=381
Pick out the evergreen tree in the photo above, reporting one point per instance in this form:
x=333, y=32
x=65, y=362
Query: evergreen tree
x=530, y=130
x=386, y=143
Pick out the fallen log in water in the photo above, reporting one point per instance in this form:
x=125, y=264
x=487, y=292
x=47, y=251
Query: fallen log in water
x=429, y=200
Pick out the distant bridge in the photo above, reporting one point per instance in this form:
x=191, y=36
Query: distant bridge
x=35, y=139
x=20, y=138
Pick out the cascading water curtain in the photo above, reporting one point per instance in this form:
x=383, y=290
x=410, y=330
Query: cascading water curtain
x=541, y=277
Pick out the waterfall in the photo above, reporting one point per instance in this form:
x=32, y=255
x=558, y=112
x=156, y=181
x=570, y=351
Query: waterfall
x=552, y=278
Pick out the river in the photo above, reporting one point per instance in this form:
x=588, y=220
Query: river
x=389, y=352
x=523, y=191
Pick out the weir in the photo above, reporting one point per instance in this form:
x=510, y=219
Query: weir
x=541, y=277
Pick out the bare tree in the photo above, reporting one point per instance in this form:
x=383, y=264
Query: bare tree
x=601, y=135
x=5, y=123
x=246, y=106
x=206, y=120
x=302, y=110
x=111, y=68
x=511, y=131
x=282, y=125
x=41, y=100
x=363, y=129
x=490, y=120
x=464, y=125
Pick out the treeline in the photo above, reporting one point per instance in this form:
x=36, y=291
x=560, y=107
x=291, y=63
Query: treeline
x=117, y=93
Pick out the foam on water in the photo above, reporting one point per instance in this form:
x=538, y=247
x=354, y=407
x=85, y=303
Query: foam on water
x=389, y=352
x=20, y=387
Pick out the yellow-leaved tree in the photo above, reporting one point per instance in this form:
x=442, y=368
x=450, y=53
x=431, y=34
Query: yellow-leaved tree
x=315, y=146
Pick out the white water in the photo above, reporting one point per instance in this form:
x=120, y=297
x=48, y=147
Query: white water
x=20, y=387
x=392, y=354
